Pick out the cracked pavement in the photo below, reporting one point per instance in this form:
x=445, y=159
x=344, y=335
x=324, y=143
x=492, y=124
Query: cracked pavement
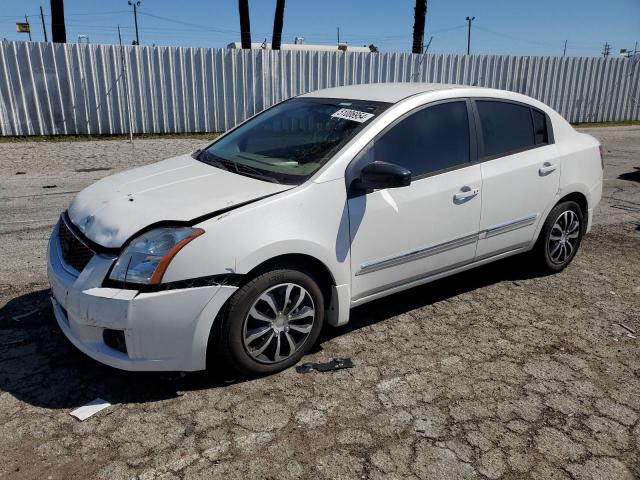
x=493, y=373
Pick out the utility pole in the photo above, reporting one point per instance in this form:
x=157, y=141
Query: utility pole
x=58, y=29
x=135, y=4
x=469, y=20
x=44, y=28
x=245, y=24
x=26, y=19
x=635, y=49
x=338, y=28
x=278, y=20
x=419, y=20
x=564, y=52
x=606, y=50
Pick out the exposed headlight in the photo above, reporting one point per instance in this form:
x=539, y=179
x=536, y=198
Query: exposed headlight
x=147, y=257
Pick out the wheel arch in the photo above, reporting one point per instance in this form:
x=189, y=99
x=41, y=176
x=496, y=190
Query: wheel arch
x=578, y=197
x=315, y=267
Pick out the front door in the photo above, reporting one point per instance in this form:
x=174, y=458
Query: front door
x=405, y=234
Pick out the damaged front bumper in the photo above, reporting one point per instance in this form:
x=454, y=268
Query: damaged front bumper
x=165, y=330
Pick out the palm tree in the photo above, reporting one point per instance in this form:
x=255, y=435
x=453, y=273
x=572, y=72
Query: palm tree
x=420, y=12
x=58, y=30
x=245, y=25
x=278, y=20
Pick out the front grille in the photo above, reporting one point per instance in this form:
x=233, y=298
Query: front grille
x=74, y=253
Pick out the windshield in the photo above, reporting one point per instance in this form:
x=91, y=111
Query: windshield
x=291, y=141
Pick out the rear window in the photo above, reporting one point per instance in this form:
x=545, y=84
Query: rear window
x=506, y=127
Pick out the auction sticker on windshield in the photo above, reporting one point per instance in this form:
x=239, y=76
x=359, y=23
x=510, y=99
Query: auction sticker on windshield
x=354, y=115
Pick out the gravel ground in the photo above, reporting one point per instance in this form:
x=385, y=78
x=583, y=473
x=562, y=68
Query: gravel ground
x=493, y=373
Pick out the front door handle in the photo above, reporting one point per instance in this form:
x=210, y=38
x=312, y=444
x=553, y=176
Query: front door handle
x=466, y=193
x=546, y=169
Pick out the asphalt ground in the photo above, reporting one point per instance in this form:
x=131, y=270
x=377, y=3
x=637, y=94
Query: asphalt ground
x=493, y=373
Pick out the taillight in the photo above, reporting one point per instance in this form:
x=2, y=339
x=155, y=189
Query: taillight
x=602, y=156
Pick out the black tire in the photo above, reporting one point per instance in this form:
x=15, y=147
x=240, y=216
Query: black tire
x=231, y=345
x=548, y=259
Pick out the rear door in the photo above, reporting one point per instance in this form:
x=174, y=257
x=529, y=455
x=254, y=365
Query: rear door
x=520, y=173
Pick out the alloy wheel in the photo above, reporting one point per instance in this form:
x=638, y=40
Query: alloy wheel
x=278, y=323
x=564, y=237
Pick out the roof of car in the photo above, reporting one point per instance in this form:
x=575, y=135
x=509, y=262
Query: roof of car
x=381, y=92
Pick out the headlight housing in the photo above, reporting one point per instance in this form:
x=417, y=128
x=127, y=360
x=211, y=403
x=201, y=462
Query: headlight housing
x=147, y=257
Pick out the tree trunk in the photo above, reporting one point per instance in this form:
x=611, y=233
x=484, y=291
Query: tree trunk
x=420, y=12
x=245, y=25
x=278, y=20
x=58, y=30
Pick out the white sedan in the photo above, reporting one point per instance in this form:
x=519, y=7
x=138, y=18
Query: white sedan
x=243, y=250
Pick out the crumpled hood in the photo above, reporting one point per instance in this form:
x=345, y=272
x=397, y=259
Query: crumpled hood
x=111, y=210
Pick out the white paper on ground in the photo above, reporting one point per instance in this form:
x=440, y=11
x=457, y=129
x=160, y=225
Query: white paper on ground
x=89, y=409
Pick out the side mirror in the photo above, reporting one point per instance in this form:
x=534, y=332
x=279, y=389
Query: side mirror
x=379, y=175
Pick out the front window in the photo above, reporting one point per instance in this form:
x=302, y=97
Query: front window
x=291, y=141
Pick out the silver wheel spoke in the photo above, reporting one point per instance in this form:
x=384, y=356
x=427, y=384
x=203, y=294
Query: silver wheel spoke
x=573, y=227
x=287, y=296
x=263, y=347
x=301, y=329
x=569, y=249
x=555, y=249
x=256, y=333
x=260, y=316
x=292, y=344
x=277, y=357
x=303, y=313
x=555, y=238
x=298, y=301
x=270, y=301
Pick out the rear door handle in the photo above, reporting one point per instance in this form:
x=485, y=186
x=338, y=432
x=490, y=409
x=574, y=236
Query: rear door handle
x=466, y=193
x=546, y=169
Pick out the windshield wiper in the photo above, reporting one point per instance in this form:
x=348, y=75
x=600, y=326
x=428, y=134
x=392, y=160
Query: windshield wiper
x=254, y=172
x=238, y=168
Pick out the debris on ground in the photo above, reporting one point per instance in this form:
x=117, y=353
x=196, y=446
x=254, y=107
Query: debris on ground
x=21, y=173
x=50, y=186
x=90, y=409
x=17, y=318
x=334, y=364
x=627, y=328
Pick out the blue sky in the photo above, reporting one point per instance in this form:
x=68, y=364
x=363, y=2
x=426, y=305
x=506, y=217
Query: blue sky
x=521, y=27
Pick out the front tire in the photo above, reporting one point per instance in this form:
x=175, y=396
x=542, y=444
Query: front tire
x=560, y=237
x=271, y=322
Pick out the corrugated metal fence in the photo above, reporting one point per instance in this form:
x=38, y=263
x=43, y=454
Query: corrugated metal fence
x=57, y=89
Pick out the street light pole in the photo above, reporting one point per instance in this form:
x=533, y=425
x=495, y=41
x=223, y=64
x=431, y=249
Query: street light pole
x=135, y=17
x=469, y=20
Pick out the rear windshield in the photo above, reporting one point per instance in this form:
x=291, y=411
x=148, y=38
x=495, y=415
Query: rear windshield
x=291, y=141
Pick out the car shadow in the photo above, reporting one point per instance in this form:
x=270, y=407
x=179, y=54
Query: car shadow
x=633, y=176
x=509, y=269
x=39, y=366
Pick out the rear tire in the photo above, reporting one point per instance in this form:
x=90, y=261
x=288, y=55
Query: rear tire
x=271, y=322
x=560, y=238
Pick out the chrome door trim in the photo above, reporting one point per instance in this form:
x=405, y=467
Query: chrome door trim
x=439, y=272
x=508, y=227
x=405, y=257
